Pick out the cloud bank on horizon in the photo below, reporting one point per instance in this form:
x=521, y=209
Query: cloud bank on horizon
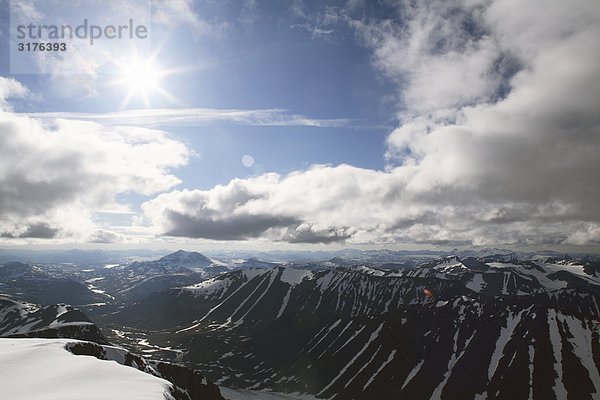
x=497, y=144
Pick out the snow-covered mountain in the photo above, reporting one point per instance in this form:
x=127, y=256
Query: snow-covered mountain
x=254, y=263
x=494, y=277
x=109, y=285
x=21, y=319
x=38, y=369
x=46, y=369
x=179, y=262
x=184, y=259
x=454, y=329
x=136, y=280
x=181, y=258
x=37, y=345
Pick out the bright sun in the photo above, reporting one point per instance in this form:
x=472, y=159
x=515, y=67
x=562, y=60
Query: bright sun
x=141, y=79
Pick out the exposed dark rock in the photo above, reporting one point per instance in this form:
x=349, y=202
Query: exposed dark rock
x=79, y=332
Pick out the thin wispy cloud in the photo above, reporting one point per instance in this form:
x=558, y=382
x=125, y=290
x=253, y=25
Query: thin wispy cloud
x=161, y=117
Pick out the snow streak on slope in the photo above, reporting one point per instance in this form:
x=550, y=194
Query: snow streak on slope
x=285, y=301
x=581, y=340
x=412, y=374
x=240, y=320
x=382, y=366
x=343, y=370
x=505, y=334
x=555, y=338
x=456, y=355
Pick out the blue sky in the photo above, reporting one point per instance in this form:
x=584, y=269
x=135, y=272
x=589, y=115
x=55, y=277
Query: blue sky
x=377, y=124
x=254, y=58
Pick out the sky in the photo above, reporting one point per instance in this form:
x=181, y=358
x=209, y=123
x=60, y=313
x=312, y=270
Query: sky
x=305, y=125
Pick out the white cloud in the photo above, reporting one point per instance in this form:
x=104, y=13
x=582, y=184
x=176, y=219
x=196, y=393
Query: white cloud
x=53, y=177
x=178, y=13
x=26, y=9
x=440, y=56
x=498, y=140
x=106, y=236
x=333, y=204
x=497, y=143
x=273, y=206
x=10, y=88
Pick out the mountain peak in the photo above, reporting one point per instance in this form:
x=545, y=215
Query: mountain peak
x=183, y=256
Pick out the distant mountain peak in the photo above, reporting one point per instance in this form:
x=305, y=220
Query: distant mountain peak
x=186, y=256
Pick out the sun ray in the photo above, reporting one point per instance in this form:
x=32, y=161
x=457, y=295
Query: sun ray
x=142, y=79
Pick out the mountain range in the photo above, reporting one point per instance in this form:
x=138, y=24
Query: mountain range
x=476, y=326
x=450, y=329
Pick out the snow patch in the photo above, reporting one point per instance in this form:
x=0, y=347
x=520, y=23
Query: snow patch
x=505, y=334
x=476, y=284
x=413, y=373
x=284, y=304
x=94, y=280
x=60, y=310
x=295, y=276
x=555, y=339
x=209, y=286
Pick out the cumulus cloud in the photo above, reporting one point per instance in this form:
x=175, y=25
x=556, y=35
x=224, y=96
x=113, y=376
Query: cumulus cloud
x=177, y=13
x=497, y=143
x=442, y=54
x=54, y=176
x=10, y=88
x=40, y=230
x=532, y=153
x=106, y=236
x=303, y=207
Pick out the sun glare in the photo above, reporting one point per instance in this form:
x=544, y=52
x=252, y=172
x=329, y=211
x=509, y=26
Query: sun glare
x=141, y=79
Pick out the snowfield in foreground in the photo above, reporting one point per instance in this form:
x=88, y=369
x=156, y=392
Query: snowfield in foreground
x=35, y=369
